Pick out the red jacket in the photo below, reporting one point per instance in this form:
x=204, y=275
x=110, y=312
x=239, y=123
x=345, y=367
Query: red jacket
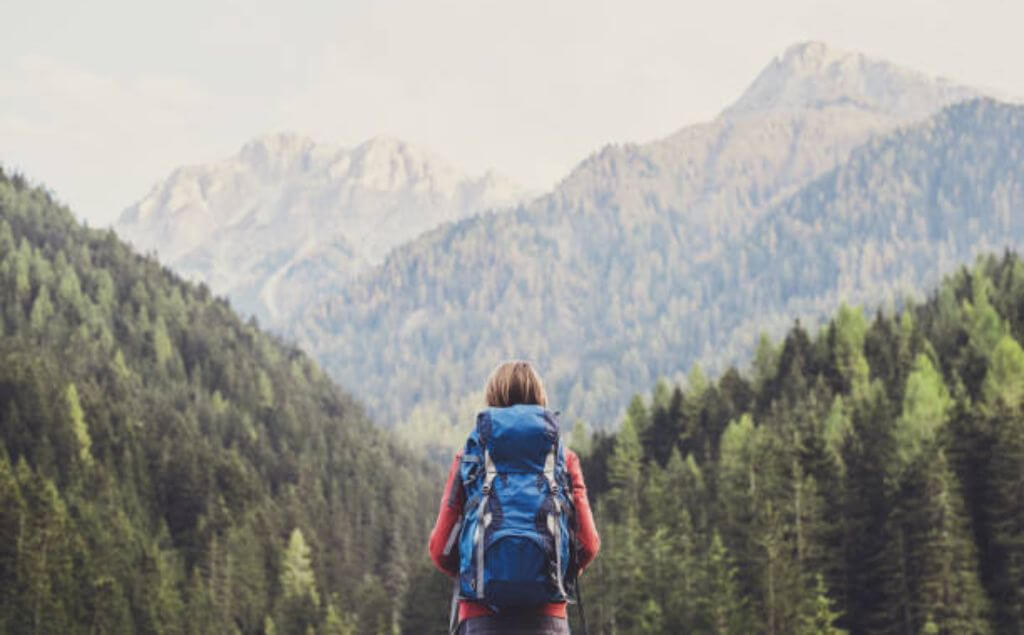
x=451, y=509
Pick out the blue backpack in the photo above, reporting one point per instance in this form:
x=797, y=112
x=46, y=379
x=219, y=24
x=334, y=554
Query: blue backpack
x=516, y=542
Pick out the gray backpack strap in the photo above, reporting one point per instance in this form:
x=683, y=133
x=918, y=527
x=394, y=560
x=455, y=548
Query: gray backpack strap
x=554, y=516
x=483, y=520
x=453, y=535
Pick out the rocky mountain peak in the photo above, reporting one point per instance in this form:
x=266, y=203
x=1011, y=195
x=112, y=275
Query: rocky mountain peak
x=278, y=153
x=287, y=216
x=814, y=75
x=390, y=164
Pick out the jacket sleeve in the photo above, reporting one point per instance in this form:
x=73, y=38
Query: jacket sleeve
x=447, y=517
x=586, y=531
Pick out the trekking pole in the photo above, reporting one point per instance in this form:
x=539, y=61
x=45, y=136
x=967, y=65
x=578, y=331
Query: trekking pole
x=453, y=619
x=579, y=603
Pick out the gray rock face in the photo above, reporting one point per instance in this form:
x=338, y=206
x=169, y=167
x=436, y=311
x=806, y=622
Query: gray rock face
x=814, y=75
x=287, y=220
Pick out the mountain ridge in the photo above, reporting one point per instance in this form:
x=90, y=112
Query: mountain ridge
x=594, y=299
x=658, y=211
x=285, y=205
x=813, y=73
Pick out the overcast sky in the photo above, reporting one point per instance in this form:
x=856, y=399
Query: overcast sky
x=99, y=100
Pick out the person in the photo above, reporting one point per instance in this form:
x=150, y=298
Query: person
x=510, y=384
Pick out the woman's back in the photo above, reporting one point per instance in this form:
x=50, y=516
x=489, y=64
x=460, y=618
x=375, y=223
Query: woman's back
x=516, y=540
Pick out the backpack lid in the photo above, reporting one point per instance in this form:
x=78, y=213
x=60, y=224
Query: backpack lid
x=518, y=437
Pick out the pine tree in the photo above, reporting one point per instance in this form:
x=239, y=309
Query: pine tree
x=163, y=349
x=45, y=555
x=926, y=404
x=950, y=593
x=739, y=484
x=821, y=619
x=580, y=438
x=849, y=329
x=624, y=473
x=300, y=601
x=338, y=623
x=765, y=364
x=42, y=311
x=1004, y=381
x=78, y=425
x=871, y=545
x=12, y=514
x=722, y=609
x=1007, y=519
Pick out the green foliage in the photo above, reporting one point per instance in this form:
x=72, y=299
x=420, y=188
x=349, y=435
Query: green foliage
x=857, y=488
x=624, y=472
x=1004, y=381
x=821, y=621
x=297, y=579
x=722, y=608
x=579, y=438
x=926, y=403
x=167, y=468
x=78, y=425
x=850, y=328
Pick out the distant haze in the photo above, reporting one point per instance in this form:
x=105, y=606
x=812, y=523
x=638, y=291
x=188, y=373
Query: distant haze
x=100, y=100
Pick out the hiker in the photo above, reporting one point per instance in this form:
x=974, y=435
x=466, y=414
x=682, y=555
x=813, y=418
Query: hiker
x=517, y=546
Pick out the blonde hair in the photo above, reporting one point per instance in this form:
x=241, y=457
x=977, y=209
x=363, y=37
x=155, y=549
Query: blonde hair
x=514, y=382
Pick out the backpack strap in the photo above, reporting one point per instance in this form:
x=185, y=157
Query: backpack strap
x=453, y=535
x=483, y=520
x=554, y=526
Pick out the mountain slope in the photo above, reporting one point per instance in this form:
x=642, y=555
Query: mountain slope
x=287, y=219
x=598, y=281
x=165, y=467
x=903, y=211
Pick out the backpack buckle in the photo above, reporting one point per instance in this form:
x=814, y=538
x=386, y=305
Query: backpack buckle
x=486, y=488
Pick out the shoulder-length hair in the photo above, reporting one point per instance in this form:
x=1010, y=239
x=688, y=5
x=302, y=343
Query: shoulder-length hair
x=515, y=382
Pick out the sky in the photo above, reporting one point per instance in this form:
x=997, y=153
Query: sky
x=100, y=100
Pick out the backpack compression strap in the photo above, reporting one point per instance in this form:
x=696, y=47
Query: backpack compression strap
x=483, y=520
x=554, y=515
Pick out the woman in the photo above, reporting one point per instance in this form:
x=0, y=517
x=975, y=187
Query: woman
x=511, y=383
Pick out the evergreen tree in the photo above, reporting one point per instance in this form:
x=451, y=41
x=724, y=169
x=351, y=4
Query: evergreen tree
x=950, y=594
x=1007, y=519
x=926, y=404
x=723, y=610
x=822, y=618
x=12, y=514
x=78, y=425
x=300, y=602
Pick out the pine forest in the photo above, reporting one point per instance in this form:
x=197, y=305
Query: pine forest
x=167, y=468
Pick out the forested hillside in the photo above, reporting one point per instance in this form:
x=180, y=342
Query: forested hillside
x=865, y=477
x=166, y=468
x=610, y=291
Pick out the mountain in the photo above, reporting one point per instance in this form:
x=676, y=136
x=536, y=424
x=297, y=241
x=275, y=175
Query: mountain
x=815, y=75
x=802, y=116
x=167, y=468
x=602, y=281
x=286, y=219
x=889, y=222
